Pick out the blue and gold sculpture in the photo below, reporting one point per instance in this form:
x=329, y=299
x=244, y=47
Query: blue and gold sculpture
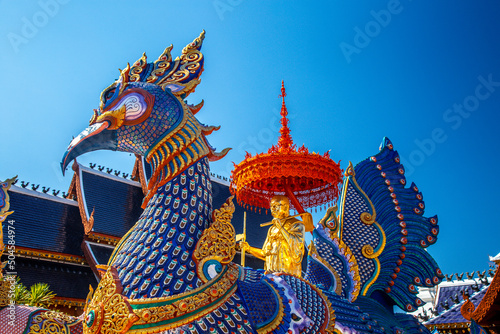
x=173, y=269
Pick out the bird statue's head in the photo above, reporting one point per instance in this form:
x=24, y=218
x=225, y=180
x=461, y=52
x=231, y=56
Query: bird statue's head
x=144, y=113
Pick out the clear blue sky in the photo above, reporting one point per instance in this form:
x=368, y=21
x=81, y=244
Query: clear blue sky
x=355, y=71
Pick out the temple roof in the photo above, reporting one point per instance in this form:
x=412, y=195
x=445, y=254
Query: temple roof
x=45, y=222
x=100, y=253
x=115, y=201
x=452, y=295
x=50, y=230
x=495, y=258
x=487, y=312
x=65, y=280
x=453, y=315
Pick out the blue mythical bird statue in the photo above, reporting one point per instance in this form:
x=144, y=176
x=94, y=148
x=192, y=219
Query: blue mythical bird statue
x=172, y=272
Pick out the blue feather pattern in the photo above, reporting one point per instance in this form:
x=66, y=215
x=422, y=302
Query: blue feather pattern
x=332, y=266
x=404, y=262
x=156, y=258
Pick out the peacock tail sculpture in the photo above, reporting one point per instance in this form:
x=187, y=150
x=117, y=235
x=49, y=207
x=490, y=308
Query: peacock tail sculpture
x=172, y=272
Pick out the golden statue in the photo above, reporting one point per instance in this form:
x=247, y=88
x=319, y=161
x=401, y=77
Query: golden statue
x=284, y=246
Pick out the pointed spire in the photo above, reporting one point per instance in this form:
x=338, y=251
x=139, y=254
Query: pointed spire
x=285, y=141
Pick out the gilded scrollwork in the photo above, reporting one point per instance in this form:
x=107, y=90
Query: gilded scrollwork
x=50, y=322
x=161, y=65
x=218, y=241
x=367, y=218
x=350, y=170
x=138, y=67
x=331, y=221
x=107, y=311
x=190, y=62
x=171, y=312
x=368, y=250
x=5, y=285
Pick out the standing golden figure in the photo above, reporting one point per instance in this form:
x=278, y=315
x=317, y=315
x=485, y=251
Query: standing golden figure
x=284, y=246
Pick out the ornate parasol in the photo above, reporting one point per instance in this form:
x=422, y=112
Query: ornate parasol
x=307, y=179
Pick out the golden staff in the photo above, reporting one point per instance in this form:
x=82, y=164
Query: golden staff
x=244, y=238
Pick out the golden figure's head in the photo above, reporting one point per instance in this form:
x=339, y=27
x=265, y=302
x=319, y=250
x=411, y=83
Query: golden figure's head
x=280, y=207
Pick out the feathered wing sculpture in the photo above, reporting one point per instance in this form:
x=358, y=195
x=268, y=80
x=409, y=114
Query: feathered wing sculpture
x=395, y=247
x=373, y=254
x=331, y=264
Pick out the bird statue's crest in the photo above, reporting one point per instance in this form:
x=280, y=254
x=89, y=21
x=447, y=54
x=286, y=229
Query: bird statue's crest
x=144, y=112
x=181, y=76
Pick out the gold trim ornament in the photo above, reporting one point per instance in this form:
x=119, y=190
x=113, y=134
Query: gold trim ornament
x=107, y=311
x=217, y=244
x=51, y=322
x=330, y=221
x=5, y=285
x=164, y=313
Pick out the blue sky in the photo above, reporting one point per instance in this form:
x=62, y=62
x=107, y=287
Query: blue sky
x=425, y=74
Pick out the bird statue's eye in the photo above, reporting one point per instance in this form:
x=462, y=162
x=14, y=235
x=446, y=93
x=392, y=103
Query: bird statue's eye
x=129, y=108
x=109, y=94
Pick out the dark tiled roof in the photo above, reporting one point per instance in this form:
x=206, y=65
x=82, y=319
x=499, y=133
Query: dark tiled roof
x=64, y=279
x=118, y=206
x=453, y=315
x=45, y=222
x=117, y=203
x=256, y=235
x=101, y=253
x=447, y=294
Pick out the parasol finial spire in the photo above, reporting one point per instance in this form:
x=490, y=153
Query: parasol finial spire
x=285, y=142
x=307, y=179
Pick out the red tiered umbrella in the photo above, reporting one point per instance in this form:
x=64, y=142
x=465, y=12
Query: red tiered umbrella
x=307, y=179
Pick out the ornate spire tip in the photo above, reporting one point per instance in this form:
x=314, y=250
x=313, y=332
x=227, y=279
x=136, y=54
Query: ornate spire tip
x=283, y=93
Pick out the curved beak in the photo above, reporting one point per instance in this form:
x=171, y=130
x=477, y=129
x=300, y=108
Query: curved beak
x=95, y=137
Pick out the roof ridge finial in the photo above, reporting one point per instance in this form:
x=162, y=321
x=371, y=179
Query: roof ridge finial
x=285, y=142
